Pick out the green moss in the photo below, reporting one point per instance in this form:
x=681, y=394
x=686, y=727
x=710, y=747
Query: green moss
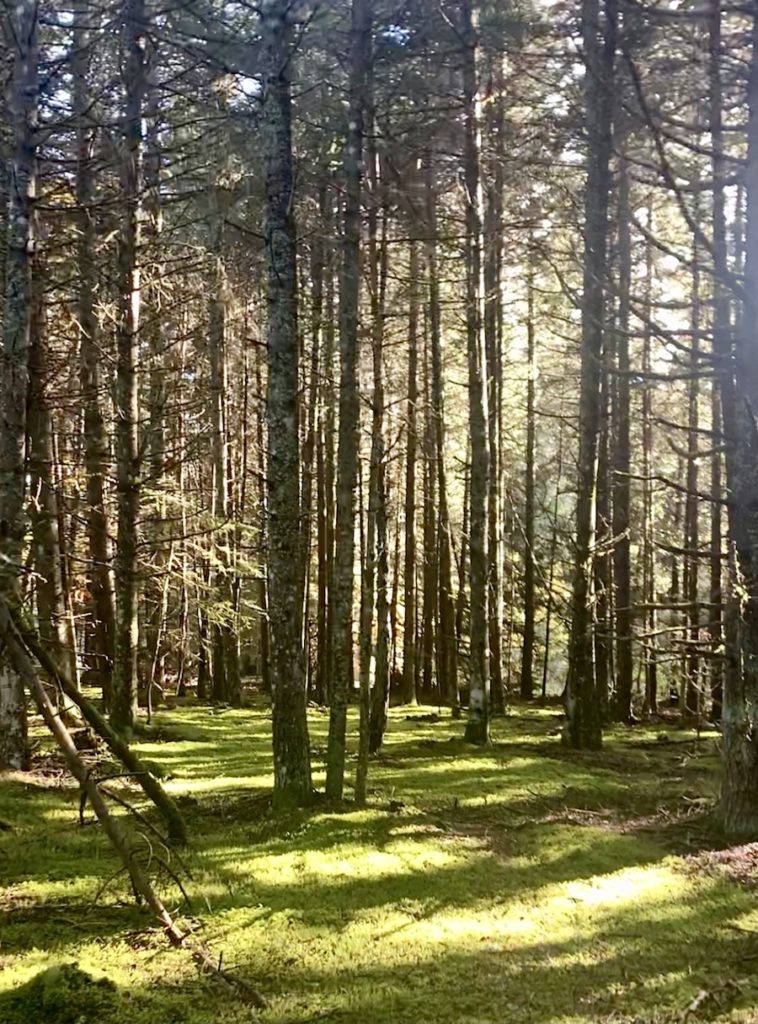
x=62, y=994
x=521, y=883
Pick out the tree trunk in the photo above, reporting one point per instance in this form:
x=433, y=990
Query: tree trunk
x=430, y=573
x=94, y=434
x=721, y=345
x=14, y=379
x=648, y=531
x=51, y=603
x=447, y=642
x=292, y=771
x=477, y=727
x=225, y=673
x=622, y=705
x=691, y=705
x=582, y=697
x=347, y=456
x=526, y=686
x=493, y=342
x=738, y=382
x=125, y=679
x=377, y=513
x=409, y=566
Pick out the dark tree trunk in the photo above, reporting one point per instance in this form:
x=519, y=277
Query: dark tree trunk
x=14, y=379
x=477, y=727
x=94, y=434
x=622, y=704
x=582, y=697
x=721, y=345
x=738, y=382
x=447, y=640
x=409, y=565
x=128, y=470
x=526, y=685
x=292, y=771
x=347, y=457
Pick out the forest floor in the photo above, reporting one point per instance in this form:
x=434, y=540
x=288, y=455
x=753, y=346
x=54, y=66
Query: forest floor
x=521, y=883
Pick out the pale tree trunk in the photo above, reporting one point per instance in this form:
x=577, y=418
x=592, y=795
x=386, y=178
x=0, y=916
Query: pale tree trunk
x=347, y=455
x=128, y=470
x=225, y=670
x=493, y=340
x=95, y=437
x=312, y=463
x=477, y=727
x=584, y=729
x=292, y=770
x=158, y=330
x=691, y=705
x=22, y=25
x=264, y=632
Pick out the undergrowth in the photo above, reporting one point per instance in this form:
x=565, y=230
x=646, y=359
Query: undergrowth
x=521, y=883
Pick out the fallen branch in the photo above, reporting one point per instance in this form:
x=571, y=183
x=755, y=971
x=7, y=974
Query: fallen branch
x=20, y=657
x=152, y=788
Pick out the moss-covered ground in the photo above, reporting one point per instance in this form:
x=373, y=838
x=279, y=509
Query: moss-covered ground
x=520, y=883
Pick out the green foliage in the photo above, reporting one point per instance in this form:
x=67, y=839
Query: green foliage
x=521, y=884
x=62, y=994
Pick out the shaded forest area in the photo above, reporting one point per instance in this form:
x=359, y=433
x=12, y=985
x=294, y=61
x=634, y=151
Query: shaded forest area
x=379, y=511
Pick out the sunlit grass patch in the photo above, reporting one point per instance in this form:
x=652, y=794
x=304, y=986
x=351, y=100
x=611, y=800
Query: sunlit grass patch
x=468, y=891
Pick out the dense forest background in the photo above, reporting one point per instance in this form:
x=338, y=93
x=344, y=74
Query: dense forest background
x=392, y=352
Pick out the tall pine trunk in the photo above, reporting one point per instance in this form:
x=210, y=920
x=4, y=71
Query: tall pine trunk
x=477, y=727
x=738, y=381
x=128, y=469
x=447, y=640
x=347, y=455
x=292, y=772
x=622, y=705
x=583, y=706
x=409, y=539
x=22, y=21
x=526, y=685
x=94, y=434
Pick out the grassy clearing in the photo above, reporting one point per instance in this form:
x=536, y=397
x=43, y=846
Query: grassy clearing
x=517, y=884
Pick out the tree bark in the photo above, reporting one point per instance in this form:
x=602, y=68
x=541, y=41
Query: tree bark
x=447, y=648
x=477, y=726
x=622, y=704
x=409, y=540
x=292, y=771
x=347, y=455
x=526, y=685
x=128, y=469
x=94, y=434
x=493, y=342
x=582, y=697
x=738, y=383
x=22, y=22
